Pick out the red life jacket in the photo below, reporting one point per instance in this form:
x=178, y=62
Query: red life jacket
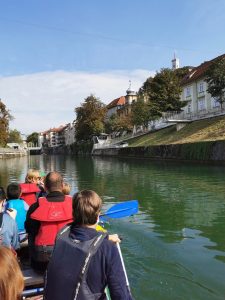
x=53, y=216
x=29, y=191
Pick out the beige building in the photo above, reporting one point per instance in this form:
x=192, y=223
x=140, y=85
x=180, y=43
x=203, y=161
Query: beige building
x=131, y=97
x=53, y=137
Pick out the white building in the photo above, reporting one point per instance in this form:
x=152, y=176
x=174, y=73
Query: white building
x=69, y=133
x=194, y=91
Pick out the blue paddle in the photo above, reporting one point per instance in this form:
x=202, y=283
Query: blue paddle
x=33, y=292
x=120, y=210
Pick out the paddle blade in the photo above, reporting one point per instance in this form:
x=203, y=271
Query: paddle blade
x=124, y=209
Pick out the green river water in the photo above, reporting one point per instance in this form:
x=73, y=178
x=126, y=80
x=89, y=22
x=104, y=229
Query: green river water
x=174, y=248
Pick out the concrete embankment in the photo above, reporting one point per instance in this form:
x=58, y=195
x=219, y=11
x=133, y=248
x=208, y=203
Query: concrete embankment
x=202, y=151
x=11, y=153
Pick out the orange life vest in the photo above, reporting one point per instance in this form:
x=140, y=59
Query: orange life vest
x=29, y=191
x=53, y=216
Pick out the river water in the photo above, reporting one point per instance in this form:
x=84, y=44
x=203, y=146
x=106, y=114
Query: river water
x=174, y=248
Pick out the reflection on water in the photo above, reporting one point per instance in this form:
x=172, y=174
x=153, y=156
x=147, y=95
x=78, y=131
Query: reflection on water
x=174, y=247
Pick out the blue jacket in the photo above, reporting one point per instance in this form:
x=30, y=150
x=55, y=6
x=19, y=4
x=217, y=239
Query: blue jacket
x=9, y=232
x=21, y=207
x=105, y=267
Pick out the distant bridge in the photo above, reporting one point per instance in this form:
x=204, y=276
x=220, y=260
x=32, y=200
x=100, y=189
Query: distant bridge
x=34, y=150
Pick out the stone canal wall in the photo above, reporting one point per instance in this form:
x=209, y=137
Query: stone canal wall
x=202, y=151
x=11, y=153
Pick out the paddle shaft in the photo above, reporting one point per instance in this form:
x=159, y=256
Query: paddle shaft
x=123, y=265
x=115, y=211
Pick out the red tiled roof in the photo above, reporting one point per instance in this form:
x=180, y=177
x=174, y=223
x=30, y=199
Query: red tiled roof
x=62, y=127
x=116, y=102
x=199, y=71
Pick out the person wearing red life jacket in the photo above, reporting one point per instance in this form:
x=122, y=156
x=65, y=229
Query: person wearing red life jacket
x=45, y=218
x=30, y=189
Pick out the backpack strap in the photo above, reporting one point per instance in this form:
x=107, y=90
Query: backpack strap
x=93, y=249
x=1, y=219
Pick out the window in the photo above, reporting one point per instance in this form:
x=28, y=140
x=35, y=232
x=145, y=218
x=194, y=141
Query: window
x=215, y=103
x=201, y=104
x=189, y=108
x=188, y=91
x=201, y=87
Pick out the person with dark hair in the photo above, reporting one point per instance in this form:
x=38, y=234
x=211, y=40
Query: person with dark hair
x=14, y=202
x=45, y=218
x=11, y=278
x=85, y=261
x=8, y=227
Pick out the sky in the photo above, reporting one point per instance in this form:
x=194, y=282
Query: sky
x=56, y=53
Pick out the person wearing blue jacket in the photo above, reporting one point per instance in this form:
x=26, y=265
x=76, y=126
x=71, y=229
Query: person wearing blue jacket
x=84, y=262
x=8, y=226
x=14, y=202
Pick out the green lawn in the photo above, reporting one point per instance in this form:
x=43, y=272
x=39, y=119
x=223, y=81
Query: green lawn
x=204, y=130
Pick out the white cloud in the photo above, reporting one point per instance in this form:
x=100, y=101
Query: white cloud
x=43, y=100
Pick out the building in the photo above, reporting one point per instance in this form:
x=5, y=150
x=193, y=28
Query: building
x=53, y=137
x=69, y=133
x=114, y=106
x=194, y=91
x=131, y=97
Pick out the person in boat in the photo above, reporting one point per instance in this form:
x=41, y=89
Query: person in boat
x=84, y=262
x=30, y=189
x=45, y=218
x=8, y=227
x=15, y=202
x=11, y=278
x=66, y=188
x=41, y=184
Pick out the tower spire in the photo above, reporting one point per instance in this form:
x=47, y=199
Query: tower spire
x=175, y=62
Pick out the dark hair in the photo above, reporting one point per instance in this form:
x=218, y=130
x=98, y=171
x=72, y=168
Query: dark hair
x=2, y=194
x=86, y=207
x=53, y=182
x=13, y=191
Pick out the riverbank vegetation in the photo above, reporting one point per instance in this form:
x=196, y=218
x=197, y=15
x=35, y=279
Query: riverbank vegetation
x=199, y=131
x=5, y=117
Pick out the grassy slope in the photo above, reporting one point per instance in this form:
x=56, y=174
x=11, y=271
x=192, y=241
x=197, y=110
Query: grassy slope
x=198, y=131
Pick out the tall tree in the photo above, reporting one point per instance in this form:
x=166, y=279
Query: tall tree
x=5, y=117
x=215, y=77
x=90, y=118
x=33, y=138
x=119, y=123
x=14, y=136
x=163, y=91
x=140, y=113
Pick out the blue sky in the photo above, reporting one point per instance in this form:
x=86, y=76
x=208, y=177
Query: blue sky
x=47, y=45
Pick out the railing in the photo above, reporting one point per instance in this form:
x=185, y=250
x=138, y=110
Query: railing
x=203, y=114
x=11, y=150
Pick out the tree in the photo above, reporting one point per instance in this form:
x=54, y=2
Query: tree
x=5, y=117
x=215, y=77
x=140, y=113
x=90, y=118
x=163, y=91
x=181, y=72
x=33, y=138
x=14, y=137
